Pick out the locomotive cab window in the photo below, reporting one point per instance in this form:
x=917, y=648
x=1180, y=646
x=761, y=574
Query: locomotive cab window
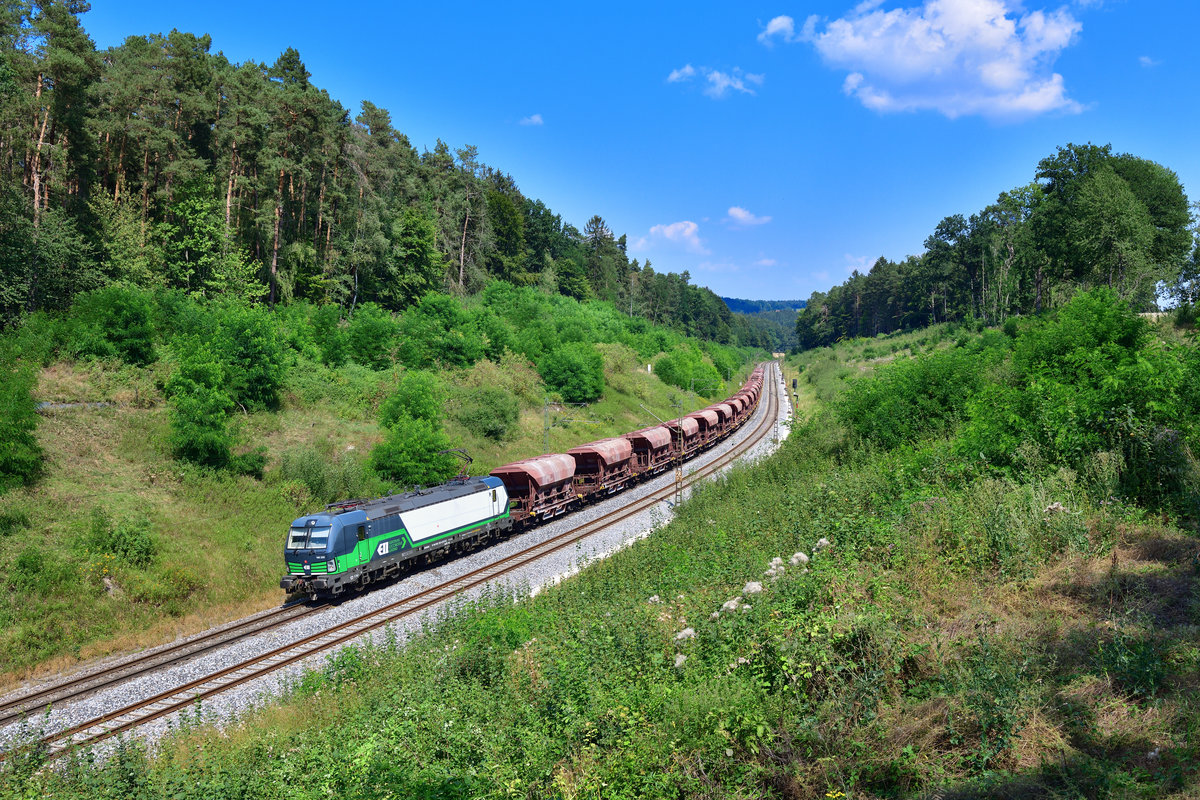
x=362, y=533
x=308, y=538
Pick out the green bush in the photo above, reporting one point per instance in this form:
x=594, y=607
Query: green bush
x=329, y=335
x=20, y=454
x=114, y=322
x=13, y=521
x=488, y=411
x=249, y=344
x=132, y=542
x=41, y=572
x=325, y=478
x=199, y=409
x=409, y=455
x=438, y=330
x=576, y=371
x=906, y=400
x=369, y=336
x=419, y=395
x=1088, y=380
x=686, y=368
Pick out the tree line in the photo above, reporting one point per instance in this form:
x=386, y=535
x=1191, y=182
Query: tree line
x=1090, y=218
x=159, y=164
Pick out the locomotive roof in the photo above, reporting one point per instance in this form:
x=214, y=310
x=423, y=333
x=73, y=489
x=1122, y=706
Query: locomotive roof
x=542, y=470
x=613, y=450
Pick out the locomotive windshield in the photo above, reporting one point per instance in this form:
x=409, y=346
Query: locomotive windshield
x=308, y=538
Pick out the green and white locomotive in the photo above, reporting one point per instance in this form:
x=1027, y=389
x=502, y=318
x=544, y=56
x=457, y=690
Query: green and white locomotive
x=358, y=542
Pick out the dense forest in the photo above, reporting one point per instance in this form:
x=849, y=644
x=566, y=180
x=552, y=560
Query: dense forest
x=160, y=164
x=1089, y=218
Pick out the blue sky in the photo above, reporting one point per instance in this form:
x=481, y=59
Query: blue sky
x=768, y=149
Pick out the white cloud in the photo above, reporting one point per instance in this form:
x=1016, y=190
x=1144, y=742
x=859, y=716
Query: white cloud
x=766, y=262
x=535, y=119
x=782, y=27
x=741, y=216
x=685, y=234
x=1147, y=61
x=682, y=74
x=823, y=275
x=952, y=56
x=861, y=263
x=718, y=83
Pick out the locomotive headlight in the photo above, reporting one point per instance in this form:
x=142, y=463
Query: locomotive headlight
x=331, y=566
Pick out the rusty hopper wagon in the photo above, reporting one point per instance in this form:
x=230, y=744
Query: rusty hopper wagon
x=652, y=451
x=602, y=467
x=540, y=487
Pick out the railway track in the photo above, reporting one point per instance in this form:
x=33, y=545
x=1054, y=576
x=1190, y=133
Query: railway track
x=187, y=695
x=32, y=702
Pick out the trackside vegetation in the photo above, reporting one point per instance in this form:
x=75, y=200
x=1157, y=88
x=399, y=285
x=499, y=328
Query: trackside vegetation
x=884, y=608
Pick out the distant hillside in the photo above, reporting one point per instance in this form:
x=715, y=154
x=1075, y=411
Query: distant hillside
x=776, y=317
x=759, y=306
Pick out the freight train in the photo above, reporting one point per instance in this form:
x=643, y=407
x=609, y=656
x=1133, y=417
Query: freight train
x=352, y=544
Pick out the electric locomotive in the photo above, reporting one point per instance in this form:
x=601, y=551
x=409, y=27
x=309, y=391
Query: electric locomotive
x=353, y=543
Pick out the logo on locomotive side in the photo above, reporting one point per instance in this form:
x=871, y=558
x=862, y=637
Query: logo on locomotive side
x=382, y=550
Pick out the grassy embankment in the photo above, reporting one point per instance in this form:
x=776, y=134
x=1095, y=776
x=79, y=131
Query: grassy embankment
x=218, y=536
x=985, y=630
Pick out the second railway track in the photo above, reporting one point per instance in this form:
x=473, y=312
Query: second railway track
x=186, y=695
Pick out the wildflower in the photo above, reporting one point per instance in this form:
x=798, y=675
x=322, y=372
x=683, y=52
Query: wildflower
x=821, y=544
x=798, y=559
x=753, y=587
x=680, y=658
x=732, y=605
x=686, y=633
x=654, y=599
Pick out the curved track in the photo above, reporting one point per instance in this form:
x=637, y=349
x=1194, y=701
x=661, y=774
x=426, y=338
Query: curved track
x=187, y=695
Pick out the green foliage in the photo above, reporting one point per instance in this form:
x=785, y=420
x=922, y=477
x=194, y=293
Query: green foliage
x=249, y=344
x=325, y=477
x=20, y=454
x=13, y=521
x=409, y=455
x=575, y=371
x=132, y=542
x=917, y=397
x=199, y=408
x=996, y=690
x=419, y=395
x=1090, y=379
x=1136, y=663
x=488, y=411
x=369, y=336
x=114, y=322
x=329, y=336
x=686, y=368
x=439, y=331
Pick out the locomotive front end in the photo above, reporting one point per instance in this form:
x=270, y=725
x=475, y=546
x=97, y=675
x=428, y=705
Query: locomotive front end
x=309, y=554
